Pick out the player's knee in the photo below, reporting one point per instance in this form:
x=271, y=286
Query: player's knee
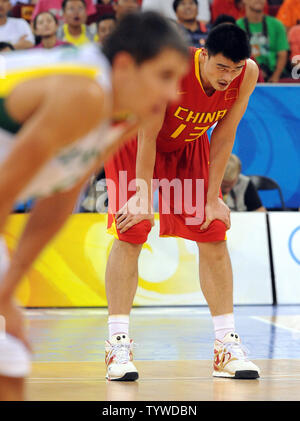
x=137, y=234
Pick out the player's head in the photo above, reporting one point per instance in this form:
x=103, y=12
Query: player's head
x=232, y=172
x=149, y=56
x=45, y=24
x=226, y=50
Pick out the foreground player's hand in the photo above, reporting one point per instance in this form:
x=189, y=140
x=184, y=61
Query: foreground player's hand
x=13, y=319
x=132, y=213
x=216, y=210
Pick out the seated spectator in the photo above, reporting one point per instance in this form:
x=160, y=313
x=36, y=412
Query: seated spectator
x=105, y=26
x=122, y=7
x=233, y=8
x=294, y=41
x=239, y=193
x=165, y=7
x=55, y=7
x=186, y=12
x=289, y=13
x=75, y=31
x=13, y=30
x=267, y=38
x=6, y=47
x=45, y=26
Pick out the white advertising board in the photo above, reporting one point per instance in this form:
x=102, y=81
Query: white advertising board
x=285, y=236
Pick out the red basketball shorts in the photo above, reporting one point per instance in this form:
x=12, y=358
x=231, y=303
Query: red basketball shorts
x=181, y=197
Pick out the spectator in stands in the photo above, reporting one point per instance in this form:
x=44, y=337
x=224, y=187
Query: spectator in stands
x=239, y=193
x=122, y=7
x=289, y=13
x=105, y=26
x=186, y=12
x=13, y=30
x=45, y=26
x=294, y=41
x=165, y=7
x=6, y=47
x=267, y=38
x=233, y=8
x=55, y=6
x=74, y=30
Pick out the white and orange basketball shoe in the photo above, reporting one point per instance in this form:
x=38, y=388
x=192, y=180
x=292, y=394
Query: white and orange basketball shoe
x=230, y=359
x=118, y=359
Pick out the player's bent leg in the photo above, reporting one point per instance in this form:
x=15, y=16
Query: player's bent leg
x=230, y=356
x=121, y=285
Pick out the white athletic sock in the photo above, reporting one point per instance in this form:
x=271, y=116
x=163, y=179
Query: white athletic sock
x=223, y=324
x=118, y=323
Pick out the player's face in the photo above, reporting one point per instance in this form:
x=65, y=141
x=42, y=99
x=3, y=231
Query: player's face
x=221, y=71
x=146, y=88
x=45, y=25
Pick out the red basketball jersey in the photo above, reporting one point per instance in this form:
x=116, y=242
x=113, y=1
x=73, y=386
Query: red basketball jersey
x=195, y=112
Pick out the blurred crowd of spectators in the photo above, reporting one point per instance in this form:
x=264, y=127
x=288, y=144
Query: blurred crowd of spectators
x=273, y=26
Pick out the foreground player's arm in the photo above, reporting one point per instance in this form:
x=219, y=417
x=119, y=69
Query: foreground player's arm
x=221, y=144
x=58, y=118
x=145, y=162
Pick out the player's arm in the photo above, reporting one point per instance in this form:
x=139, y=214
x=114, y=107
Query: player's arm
x=145, y=163
x=221, y=144
x=59, y=118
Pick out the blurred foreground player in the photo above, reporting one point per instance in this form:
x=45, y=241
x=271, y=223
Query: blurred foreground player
x=61, y=114
x=176, y=149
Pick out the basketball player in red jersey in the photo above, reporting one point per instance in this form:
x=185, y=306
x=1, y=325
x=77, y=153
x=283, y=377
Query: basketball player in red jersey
x=176, y=146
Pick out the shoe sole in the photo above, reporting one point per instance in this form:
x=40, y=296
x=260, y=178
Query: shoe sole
x=128, y=377
x=242, y=374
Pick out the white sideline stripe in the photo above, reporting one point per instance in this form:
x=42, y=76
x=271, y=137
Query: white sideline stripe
x=269, y=322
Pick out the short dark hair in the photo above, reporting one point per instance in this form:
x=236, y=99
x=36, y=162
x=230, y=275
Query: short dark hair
x=4, y=45
x=42, y=13
x=176, y=3
x=64, y=3
x=106, y=17
x=144, y=35
x=229, y=40
x=223, y=19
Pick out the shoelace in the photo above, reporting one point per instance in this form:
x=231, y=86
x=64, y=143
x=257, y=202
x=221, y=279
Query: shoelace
x=238, y=350
x=121, y=353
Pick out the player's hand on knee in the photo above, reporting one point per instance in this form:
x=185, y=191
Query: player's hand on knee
x=216, y=210
x=132, y=213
